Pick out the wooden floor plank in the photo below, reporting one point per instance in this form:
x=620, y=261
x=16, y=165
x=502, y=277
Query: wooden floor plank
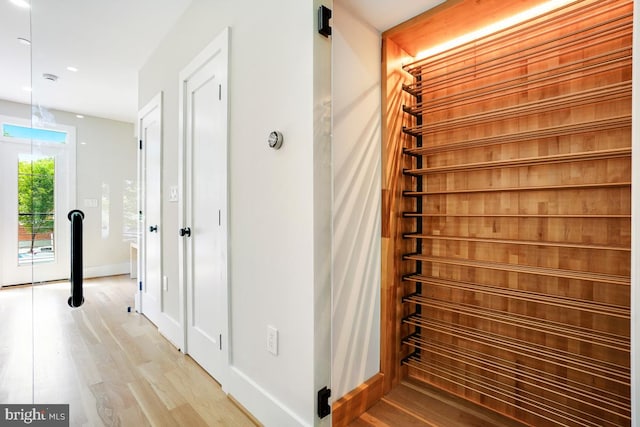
x=151, y=405
x=392, y=415
x=413, y=403
x=154, y=374
x=365, y=420
x=185, y=415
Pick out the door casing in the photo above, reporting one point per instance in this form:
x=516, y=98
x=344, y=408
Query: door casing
x=65, y=200
x=149, y=302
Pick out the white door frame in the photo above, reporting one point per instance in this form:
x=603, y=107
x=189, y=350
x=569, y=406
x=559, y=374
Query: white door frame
x=155, y=104
x=219, y=47
x=65, y=183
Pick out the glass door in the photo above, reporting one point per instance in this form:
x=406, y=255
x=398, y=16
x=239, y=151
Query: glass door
x=68, y=104
x=84, y=90
x=16, y=313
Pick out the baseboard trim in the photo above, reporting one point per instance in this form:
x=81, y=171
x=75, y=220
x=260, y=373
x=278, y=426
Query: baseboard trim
x=106, y=270
x=171, y=330
x=357, y=401
x=264, y=407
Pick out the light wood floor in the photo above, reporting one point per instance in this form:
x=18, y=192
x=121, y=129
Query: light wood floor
x=412, y=404
x=111, y=366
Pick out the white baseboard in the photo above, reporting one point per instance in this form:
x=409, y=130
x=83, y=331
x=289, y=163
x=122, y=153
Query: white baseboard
x=106, y=270
x=262, y=405
x=171, y=330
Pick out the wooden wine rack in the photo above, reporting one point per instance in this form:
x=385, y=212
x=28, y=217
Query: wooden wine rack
x=516, y=217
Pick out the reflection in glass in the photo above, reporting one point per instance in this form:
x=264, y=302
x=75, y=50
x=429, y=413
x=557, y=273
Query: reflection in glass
x=106, y=207
x=36, y=206
x=130, y=215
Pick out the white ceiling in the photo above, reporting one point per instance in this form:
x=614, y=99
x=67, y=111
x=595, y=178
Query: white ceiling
x=384, y=14
x=108, y=41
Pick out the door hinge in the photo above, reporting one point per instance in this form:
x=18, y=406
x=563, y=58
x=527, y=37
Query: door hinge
x=324, y=408
x=141, y=144
x=220, y=341
x=324, y=15
x=219, y=217
x=219, y=92
x=140, y=283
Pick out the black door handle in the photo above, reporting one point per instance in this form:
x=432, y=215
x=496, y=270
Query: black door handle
x=76, y=299
x=153, y=228
x=185, y=232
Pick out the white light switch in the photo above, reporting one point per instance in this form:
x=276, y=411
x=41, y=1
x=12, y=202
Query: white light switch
x=90, y=203
x=173, y=193
x=272, y=340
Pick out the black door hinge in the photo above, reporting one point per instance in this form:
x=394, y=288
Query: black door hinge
x=141, y=144
x=140, y=284
x=324, y=408
x=324, y=15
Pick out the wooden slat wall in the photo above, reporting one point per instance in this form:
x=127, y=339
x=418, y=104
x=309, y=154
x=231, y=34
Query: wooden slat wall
x=515, y=228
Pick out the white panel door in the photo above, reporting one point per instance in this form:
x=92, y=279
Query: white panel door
x=150, y=120
x=205, y=202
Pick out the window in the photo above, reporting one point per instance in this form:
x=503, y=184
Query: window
x=24, y=132
x=36, y=207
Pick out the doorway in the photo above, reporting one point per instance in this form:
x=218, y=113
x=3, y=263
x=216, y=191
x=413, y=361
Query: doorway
x=150, y=166
x=203, y=207
x=38, y=175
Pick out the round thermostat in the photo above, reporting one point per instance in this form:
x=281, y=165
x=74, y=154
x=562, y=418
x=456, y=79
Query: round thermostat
x=275, y=139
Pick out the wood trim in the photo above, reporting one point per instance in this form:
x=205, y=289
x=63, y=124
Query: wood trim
x=450, y=20
x=358, y=401
x=393, y=204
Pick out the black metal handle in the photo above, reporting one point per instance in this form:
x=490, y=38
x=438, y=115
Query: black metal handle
x=185, y=232
x=153, y=228
x=76, y=217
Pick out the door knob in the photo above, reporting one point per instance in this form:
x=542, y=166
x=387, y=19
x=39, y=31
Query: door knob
x=185, y=232
x=153, y=228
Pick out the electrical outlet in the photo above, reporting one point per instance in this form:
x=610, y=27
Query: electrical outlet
x=272, y=340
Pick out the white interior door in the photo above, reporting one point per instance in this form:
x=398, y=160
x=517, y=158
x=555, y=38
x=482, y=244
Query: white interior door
x=150, y=122
x=204, y=98
x=35, y=234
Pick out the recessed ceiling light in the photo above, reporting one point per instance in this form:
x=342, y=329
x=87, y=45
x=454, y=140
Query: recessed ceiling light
x=73, y=69
x=80, y=116
x=83, y=143
x=50, y=77
x=24, y=41
x=21, y=3
x=26, y=88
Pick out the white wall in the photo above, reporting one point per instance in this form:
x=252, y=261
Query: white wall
x=356, y=201
x=108, y=157
x=279, y=204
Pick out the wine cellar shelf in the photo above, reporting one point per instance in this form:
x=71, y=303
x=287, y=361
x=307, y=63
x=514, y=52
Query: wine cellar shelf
x=516, y=218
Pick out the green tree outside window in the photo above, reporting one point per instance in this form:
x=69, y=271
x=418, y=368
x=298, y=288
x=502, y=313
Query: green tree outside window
x=36, y=180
